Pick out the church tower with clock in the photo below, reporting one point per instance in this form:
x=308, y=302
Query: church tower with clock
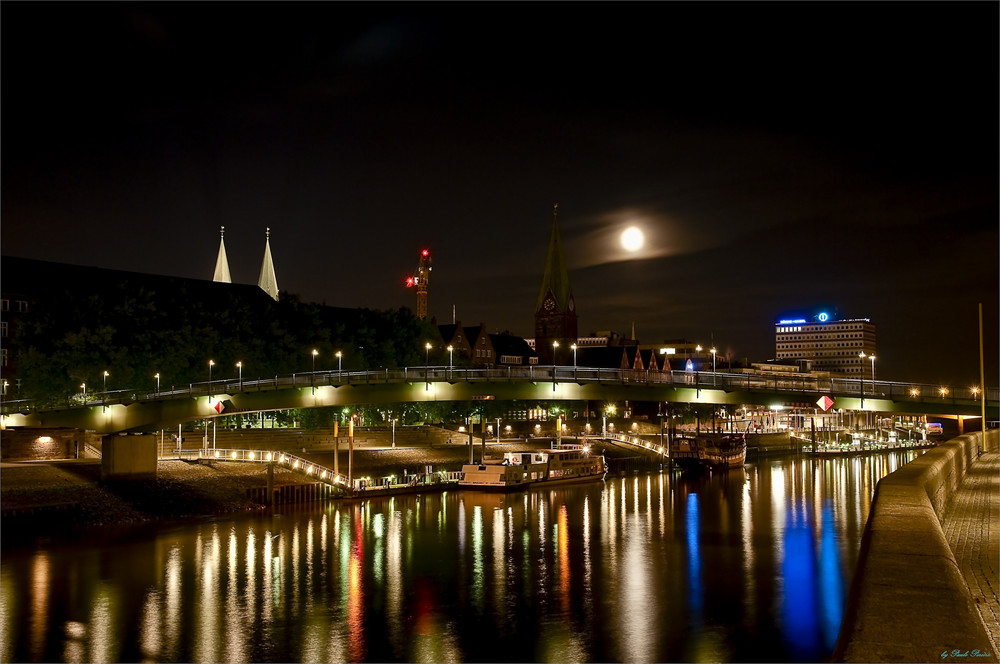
x=555, y=310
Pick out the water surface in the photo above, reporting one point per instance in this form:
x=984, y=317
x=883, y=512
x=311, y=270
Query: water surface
x=749, y=565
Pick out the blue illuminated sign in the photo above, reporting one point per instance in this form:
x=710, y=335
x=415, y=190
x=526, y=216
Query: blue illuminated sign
x=823, y=317
x=790, y=321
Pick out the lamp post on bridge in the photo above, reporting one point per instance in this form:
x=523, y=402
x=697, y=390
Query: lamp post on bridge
x=451, y=361
x=427, y=362
x=574, y=360
x=340, y=358
x=872, y=358
x=239, y=366
x=157, y=377
x=211, y=363
x=862, y=356
x=312, y=376
x=84, y=386
x=555, y=345
x=713, y=351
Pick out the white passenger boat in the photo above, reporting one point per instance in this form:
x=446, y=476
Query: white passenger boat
x=519, y=470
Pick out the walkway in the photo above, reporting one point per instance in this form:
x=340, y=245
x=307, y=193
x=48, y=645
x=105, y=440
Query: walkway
x=971, y=524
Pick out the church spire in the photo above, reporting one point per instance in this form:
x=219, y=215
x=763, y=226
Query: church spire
x=555, y=310
x=555, y=280
x=268, y=282
x=221, y=263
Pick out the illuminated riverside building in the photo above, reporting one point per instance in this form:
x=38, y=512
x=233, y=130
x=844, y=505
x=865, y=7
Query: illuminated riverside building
x=826, y=342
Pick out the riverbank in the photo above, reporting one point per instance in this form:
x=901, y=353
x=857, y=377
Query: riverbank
x=67, y=496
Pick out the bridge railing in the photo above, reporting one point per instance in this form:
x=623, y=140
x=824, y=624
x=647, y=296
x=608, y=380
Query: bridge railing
x=323, y=474
x=636, y=441
x=897, y=391
x=283, y=459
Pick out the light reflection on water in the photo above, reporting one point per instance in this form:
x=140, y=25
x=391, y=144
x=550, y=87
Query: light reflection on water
x=748, y=565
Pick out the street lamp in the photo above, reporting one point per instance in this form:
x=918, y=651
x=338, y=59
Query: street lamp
x=312, y=376
x=106, y=381
x=872, y=358
x=574, y=359
x=451, y=357
x=713, y=351
x=84, y=386
x=157, y=377
x=555, y=344
x=862, y=356
x=340, y=359
x=211, y=363
x=427, y=362
x=239, y=366
x=610, y=410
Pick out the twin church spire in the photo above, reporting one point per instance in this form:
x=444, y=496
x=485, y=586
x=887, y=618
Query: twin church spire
x=268, y=282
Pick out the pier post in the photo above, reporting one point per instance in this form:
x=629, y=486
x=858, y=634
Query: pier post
x=472, y=448
x=270, y=484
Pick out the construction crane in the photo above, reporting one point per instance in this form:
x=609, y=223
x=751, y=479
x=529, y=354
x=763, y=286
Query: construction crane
x=421, y=280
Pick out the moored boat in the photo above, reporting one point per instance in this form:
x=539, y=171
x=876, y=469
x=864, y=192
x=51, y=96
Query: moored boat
x=519, y=470
x=726, y=450
x=712, y=450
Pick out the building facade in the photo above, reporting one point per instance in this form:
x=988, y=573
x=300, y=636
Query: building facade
x=826, y=342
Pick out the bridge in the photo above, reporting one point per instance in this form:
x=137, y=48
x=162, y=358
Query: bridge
x=130, y=410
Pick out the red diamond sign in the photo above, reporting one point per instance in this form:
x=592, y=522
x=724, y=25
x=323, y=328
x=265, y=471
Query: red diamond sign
x=825, y=402
x=218, y=407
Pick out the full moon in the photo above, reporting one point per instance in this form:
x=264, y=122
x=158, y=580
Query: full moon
x=632, y=239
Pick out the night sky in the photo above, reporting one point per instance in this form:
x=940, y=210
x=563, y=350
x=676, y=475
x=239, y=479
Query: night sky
x=778, y=158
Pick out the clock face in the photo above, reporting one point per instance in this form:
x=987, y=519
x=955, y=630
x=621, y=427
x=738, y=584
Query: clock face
x=572, y=306
x=550, y=305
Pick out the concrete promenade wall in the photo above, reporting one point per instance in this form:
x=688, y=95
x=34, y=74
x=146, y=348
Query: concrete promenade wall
x=909, y=601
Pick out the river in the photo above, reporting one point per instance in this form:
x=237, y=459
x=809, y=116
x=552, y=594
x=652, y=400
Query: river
x=749, y=565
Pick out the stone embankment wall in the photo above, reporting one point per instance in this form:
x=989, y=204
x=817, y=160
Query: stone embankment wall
x=47, y=444
x=909, y=601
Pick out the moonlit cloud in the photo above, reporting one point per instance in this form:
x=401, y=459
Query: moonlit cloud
x=600, y=241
